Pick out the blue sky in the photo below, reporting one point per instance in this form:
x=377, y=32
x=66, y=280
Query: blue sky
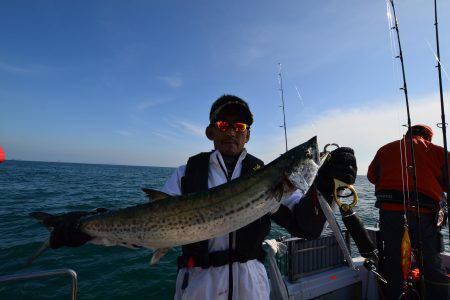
x=131, y=82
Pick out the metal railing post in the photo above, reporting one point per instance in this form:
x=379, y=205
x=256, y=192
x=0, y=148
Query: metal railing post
x=25, y=276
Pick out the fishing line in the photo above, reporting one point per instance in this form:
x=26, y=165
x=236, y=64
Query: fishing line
x=407, y=176
x=447, y=95
x=441, y=98
x=302, y=103
x=286, y=78
x=438, y=60
x=299, y=96
x=444, y=70
x=405, y=91
x=297, y=90
x=286, y=81
x=395, y=73
x=393, y=20
x=392, y=43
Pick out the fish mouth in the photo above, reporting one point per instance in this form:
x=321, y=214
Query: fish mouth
x=305, y=165
x=313, y=152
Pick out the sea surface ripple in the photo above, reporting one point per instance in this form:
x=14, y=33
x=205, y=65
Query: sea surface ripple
x=103, y=272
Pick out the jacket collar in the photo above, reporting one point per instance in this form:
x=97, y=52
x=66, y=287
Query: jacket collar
x=217, y=161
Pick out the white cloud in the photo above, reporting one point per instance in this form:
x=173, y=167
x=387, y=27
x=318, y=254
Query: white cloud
x=251, y=54
x=14, y=69
x=364, y=128
x=191, y=128
x=123, y=132
x=150, y=103
x=174, y=81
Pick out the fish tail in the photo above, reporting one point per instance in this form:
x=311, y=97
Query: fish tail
x=46, y=219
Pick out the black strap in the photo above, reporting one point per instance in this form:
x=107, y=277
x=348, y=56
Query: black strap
x=393, y=196
x=250, y=164
x=219, y=258
x=195, y=178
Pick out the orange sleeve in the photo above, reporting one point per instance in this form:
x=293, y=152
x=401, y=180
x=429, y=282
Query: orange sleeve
x=372, y=172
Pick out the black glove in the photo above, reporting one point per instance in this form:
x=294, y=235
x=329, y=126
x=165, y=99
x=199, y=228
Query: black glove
x=340, y=164
x=66, y=231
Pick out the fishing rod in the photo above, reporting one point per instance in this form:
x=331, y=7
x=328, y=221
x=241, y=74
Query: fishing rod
x=443, y=124
x=282, y=104
x=411, y=146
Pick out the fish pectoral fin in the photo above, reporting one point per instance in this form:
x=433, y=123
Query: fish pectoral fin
x=44, y=246
x=157, y=255
x=155, y=195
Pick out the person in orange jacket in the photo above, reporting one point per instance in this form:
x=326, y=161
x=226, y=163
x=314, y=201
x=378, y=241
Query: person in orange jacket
x=393, y=181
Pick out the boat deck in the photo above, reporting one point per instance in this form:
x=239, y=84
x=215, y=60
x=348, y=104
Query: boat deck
x=317, y=270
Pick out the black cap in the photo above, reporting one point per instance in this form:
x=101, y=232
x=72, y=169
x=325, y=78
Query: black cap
x=230, y=102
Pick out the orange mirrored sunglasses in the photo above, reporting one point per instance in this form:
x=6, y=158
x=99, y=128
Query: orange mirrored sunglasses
x=224, y=125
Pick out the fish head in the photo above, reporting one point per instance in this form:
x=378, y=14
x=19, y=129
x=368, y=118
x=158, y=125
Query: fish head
x=302, y=164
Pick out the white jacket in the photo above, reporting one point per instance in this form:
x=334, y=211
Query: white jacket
x=249, y=279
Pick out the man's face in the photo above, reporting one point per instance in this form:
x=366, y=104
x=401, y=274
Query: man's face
x=230, y=142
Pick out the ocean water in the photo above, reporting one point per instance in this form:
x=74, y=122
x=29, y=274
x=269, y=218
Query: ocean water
x=103, y=272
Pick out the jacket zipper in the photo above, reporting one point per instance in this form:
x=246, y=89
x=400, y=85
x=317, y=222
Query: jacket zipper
x=231, y=244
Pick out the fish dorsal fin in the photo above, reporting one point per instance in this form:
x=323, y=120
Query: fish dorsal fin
x=155, y=195
x=157, y=255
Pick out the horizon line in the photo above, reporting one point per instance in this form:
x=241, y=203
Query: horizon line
x=105, y=164
x=84, y=163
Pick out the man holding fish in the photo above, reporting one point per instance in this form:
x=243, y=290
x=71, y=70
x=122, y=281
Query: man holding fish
x=237, y=197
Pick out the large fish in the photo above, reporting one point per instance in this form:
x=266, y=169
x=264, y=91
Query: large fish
x=169, y=221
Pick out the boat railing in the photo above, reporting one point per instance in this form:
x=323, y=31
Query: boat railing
x=41, y=274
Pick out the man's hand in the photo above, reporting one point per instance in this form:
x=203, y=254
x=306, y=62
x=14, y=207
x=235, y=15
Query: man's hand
x=340, y=164
x=66, y=231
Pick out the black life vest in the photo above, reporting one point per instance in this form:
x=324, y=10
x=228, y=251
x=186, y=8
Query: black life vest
x=248, y=239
